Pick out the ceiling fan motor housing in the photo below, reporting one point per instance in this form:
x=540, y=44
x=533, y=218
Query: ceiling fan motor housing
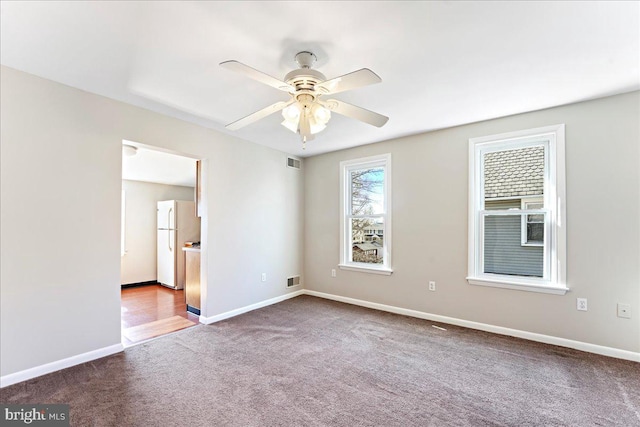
x=304, y=78
x=305, y=59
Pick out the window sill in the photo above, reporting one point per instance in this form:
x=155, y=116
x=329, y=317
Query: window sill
x=520, y=285
x=374, y=270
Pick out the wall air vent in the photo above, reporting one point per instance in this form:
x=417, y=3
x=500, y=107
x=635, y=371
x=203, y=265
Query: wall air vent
x=293, y=163
x=293, y=281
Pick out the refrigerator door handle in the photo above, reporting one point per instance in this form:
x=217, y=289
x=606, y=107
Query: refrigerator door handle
x=169, y=224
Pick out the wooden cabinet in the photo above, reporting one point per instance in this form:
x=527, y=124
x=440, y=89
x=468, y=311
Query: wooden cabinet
x=192, y=279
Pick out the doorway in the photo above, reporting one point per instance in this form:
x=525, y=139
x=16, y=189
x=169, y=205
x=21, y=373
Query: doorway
x=152, y=306
x=153, y=310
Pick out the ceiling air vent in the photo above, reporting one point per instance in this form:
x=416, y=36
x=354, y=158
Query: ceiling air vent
x=293, y=281
x=293, y=163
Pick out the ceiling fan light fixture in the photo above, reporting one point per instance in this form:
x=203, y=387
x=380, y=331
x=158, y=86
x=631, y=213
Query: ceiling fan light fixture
x=321, y=114
x=318, y=117
x=291, y=116
x=292, y=112
x=316, y=127
x=292, y=125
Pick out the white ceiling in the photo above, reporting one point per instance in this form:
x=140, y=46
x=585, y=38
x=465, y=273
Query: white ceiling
x=442, y=63
x=151, y=165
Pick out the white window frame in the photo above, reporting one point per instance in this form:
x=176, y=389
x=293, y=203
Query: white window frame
x=346, y=167
x=554, y=278
x=523, y=227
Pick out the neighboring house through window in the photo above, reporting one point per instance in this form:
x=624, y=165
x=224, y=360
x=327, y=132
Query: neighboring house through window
x=516, y=220
x=365, y=241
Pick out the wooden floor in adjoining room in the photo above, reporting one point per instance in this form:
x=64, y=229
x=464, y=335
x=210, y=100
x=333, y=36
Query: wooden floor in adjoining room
x=152, y=310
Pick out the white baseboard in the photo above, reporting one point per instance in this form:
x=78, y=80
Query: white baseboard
x=241, y=310
x=547, y=339
x=37, y=371
x=47, y=368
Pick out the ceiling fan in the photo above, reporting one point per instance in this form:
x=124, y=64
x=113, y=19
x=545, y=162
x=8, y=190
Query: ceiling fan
x=307, y=112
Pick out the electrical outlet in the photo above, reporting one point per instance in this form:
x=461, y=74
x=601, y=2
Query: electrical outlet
x=333, y=272
x=624, y=311
x=432, y=285
x=581, y=304
x=264, y=277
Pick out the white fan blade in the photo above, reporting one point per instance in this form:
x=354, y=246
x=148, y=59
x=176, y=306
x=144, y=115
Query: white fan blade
x=360, y=78
x=257, y=75
x=354, y=112
x=258, y=115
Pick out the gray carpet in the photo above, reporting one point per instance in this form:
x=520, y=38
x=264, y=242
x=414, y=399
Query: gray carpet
x=312, y=362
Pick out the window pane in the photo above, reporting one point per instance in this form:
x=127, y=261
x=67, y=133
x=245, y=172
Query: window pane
x=534, y=217
x=367, y=238
x=503, y=251
x=535, y=224
x=367, y=191
x=514, y=173
x=535, y=232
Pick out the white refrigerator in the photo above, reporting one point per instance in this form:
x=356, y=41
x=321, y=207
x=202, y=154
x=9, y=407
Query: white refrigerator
x=177, y=223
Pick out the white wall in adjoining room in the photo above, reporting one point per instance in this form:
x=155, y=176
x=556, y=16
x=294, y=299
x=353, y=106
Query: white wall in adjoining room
x=61, y=180
x=430, y=200
x=139, y=264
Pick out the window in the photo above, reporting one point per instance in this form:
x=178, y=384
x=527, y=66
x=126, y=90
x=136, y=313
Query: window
x=365, y=229
x=516, y=217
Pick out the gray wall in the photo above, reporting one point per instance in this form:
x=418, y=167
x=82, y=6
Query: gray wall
x=61, y=158
x=430, y=201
